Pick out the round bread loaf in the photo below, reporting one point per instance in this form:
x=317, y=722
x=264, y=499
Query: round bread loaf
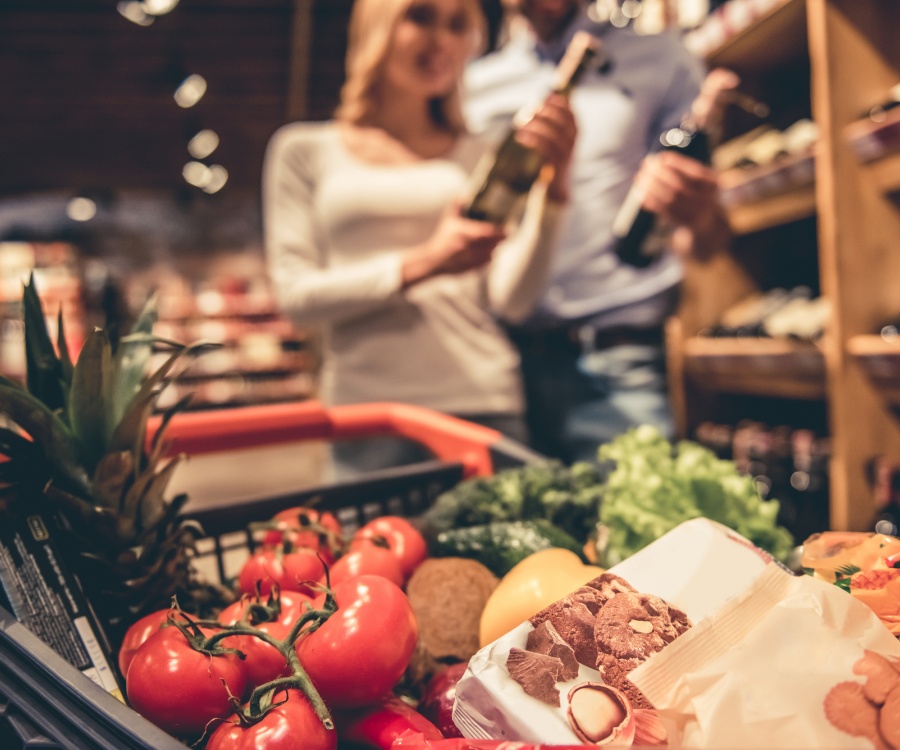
x=447, y=595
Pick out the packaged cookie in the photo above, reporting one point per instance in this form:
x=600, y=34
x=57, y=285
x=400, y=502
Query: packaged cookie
x=563, y=676
x=867, y=565
x=792, y=662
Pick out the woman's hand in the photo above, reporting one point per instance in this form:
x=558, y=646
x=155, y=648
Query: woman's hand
x=685, y=192
x=552, y=131
x=457, y=245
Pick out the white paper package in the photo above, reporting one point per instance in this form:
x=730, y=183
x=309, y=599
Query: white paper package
x=793, y=662
x=769, y=660
x=696, y=567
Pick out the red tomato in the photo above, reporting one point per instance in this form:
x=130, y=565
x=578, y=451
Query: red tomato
x=179, y=688
x=382, y=725
x=293, y=725
x=367, y=557
x=437, y=702
x=264, y=662
x=139, y=632
x=293, y=605
x=290, y=570
x=307, y=527
x=403, y=539
x=360, y=652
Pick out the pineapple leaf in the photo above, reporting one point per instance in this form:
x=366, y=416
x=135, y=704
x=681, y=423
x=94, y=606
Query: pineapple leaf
x=133, y=354
x=48, y=431
x=88, y=401
x=130, y=431
x=152, y=503
x=44, y=371
x=100, y=521
x=111, y=477
x=158, y=445
x=65, y=360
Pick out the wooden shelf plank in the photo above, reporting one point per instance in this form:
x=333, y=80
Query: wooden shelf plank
x=765, y=367
x=777, y=38
x=773, y=210
x=880, y=359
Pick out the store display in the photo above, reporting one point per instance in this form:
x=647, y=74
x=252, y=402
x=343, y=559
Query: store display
x=261, y=356
x=507, y=175
x=747, y=317
x=778, y=313
x=876, y=133
x=766, y=162
x=726, y=21
x=786, y=463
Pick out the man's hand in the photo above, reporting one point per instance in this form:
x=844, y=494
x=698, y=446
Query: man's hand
x=685, y=192
x=552, y=131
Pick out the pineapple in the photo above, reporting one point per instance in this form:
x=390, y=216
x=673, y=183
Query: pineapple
x=87, y=459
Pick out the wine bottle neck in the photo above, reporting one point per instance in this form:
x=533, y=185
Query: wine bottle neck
x=583, y=48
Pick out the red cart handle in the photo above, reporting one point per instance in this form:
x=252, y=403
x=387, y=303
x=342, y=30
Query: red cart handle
x=449, y=438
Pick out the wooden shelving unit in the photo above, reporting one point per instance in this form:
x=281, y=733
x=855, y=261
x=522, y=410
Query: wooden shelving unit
x=773, y=210
x=768, y=367
x=846, y=50
x=880, y=360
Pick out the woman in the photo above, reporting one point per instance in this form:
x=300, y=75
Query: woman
x=365, y=238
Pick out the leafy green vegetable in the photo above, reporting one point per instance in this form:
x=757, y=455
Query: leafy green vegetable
x=655, y=486
x=500, y=545
x=568, y=497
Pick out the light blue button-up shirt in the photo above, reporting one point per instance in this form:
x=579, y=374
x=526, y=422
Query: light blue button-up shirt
x=620, y=113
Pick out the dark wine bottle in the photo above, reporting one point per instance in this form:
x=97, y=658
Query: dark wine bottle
x=878, y=113
x=637, y=244
x=506, y=175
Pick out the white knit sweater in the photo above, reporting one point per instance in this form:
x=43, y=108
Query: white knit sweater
x=336, y=230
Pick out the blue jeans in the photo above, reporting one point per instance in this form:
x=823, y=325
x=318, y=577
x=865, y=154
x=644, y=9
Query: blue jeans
x=578, y=398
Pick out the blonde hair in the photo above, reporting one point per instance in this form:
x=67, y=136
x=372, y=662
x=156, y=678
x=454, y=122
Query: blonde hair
x=372, y=24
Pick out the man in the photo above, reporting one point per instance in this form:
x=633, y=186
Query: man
x=592, y=353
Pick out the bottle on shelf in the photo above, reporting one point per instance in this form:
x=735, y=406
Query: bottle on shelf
x=878, y=113
x=637, y=244
x=507, y=175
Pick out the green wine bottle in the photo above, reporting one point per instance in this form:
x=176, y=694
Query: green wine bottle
x=506, y=175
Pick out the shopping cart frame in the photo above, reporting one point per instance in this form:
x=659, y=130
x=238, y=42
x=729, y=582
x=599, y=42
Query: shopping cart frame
x=46, y=702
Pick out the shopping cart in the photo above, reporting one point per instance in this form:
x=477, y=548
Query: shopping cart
x=47, y=703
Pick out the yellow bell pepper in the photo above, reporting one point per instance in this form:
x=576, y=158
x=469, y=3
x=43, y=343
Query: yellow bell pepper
x=536, y=582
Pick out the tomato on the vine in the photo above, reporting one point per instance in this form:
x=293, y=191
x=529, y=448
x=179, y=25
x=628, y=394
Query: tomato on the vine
x=365, y=556
x=264, y=662
x=403, y=539
x=179, y=688
x=362, y=650
x=137, y=633
x=292, y=603
x=291, y=571
x=291, y=724
x=308, y=528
